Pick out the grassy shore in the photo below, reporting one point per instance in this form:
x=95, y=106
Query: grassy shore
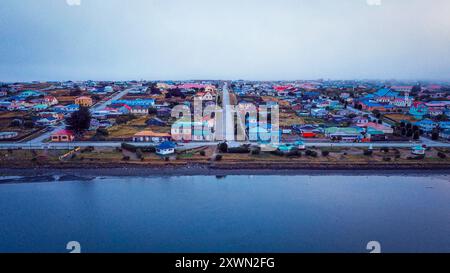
x=208, y=159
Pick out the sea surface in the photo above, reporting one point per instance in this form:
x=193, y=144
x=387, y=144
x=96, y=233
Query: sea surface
x=295, y=213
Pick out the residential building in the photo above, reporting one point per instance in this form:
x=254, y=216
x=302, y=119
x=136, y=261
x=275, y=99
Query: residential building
x=63, y=136
x=166, y=148
x=150, y=136
x=418, y=110
x=84, y=101
x=8, y=135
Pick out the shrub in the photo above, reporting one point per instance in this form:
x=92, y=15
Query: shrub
x=126, y=158
x=219, y=157
x=148, y=149
x=102, y=132
x=325, y=153
x=419, y=157
x=442, y=155
x=129, y=147
x=132, y=148
x=293, y=153
x=239, y=150
x=28, y=124
x=15, y=123
x=311, y=153
x=256, y=151
x=124, y=119
x=223, y=147
x=368, y=152
x=202, y=153
x=277, y=152
x=139, y=154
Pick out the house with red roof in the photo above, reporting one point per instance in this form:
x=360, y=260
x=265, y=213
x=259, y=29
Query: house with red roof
x=63, y=136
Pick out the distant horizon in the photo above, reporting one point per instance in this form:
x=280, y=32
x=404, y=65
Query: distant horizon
x=224, y=39
x=232, y=80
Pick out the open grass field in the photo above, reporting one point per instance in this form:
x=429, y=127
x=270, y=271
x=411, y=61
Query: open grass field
x=399, y=117
x=289, y=119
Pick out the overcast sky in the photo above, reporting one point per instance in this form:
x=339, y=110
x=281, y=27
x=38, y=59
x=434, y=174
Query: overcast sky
x=224, y=39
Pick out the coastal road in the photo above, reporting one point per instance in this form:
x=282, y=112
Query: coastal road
x=193, y=145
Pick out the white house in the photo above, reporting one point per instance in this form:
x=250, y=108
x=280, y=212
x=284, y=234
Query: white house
x=166, y=148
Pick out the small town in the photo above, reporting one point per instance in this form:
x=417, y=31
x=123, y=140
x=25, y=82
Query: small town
x=225, y=135
x=329, y=122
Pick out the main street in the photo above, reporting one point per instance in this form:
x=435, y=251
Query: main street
x=228, y=118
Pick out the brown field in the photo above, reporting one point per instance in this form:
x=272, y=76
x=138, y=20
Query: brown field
x=66, y=99
x=400, y=117
x=289, y=119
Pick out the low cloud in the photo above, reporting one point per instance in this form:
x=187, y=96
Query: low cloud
x=374, y=2
x=73, y=2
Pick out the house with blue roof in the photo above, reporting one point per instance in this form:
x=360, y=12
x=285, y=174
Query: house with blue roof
x=166, y=148
x=426, y=125
x=418, y=110
x=138, y=102
x=386, y=92
x=66, y=109
x=30, y=93
x=445, y=134
x=444, y=125
x=40, y=107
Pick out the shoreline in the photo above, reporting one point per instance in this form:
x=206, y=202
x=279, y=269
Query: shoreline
x=123, y=170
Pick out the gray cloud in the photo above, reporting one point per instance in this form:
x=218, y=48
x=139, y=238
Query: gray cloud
x=250, y=39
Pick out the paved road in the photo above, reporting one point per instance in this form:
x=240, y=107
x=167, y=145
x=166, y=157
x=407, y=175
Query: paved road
x=193, y=145
x=362, y=113
x=228, y=119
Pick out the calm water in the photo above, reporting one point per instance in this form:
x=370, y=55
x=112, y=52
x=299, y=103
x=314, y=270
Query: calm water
x=231, y=214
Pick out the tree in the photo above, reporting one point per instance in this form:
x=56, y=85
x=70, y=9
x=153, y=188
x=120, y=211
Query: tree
x=409, y=133
x=416, y=90
x=416, y=135
x=28, y=124
x=442, y=118
x=404, y=132
x=15, y=123
x=377, y=113
x=80, y=120
x=402, y=124
x=75, y=92
x=102, y=132
x=435, y=136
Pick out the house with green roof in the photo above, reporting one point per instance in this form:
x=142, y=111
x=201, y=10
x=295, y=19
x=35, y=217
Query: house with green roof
x=344, y=133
